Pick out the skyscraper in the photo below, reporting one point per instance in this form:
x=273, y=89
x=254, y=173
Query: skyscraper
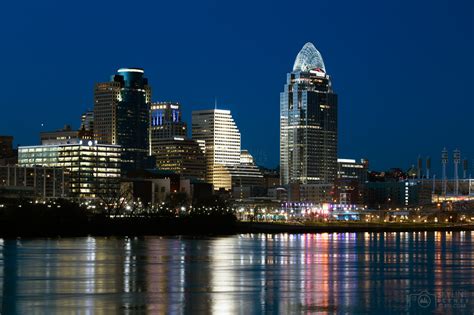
x=222, y=141
x=121, y=115
x=308, y=122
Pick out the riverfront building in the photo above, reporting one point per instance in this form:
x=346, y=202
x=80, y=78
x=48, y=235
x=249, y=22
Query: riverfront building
x=308, y=123
x=20, y=182
x=94, y=168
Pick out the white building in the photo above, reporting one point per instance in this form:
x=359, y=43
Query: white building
x=222, y=140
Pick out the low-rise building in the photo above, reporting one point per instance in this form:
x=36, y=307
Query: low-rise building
x=94, y=168
x=34, y=182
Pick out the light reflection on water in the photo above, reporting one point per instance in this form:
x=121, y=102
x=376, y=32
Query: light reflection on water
x=245, y=274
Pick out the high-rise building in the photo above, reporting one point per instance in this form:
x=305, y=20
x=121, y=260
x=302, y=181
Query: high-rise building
x=94, y=168
x=121, y=115
x=308, y=122
x=222, y=140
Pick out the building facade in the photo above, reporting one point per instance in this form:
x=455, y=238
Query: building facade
x=350, y=181
x=182, y=156
x=308, y=122
x=94, y=169
x=169, y=144
x=35, y=181
x=87, y=120
x=66, y=136
x=165, y=122
x=246, y=178
x=222, y=144
x=121, y=115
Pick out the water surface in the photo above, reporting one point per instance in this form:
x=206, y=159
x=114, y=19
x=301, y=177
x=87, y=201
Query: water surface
x=243, y=274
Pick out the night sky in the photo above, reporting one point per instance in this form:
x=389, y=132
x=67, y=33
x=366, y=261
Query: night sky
x=403, y=70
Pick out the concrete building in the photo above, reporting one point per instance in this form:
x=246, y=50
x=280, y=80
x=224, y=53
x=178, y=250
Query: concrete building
x=392, y=194
x=222, y=140
x=310, y=193
x=34, y=182
x=154, y=187
x=165, y=123
x=66, y=136
x=169, y=145
x=182, y=156
x=349, y=184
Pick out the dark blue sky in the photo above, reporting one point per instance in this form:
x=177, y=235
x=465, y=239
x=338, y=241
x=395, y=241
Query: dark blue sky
x=403, y=69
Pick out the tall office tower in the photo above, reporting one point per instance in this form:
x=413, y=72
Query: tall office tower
x=121, y=115
x=222, y=140
x=308, y=122
x=165, y=123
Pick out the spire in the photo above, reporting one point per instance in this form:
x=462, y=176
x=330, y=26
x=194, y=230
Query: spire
x=308, y=58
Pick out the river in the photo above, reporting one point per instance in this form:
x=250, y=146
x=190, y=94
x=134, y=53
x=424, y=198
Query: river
x=355, y=273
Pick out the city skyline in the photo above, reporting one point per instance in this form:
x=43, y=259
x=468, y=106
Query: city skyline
x=381, y=62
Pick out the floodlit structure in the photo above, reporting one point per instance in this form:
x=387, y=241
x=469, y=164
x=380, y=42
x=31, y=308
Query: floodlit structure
x=308, y=122
x=222, y=144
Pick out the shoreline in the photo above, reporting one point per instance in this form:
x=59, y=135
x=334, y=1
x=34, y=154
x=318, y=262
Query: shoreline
x=272, y=228
x=205, y=226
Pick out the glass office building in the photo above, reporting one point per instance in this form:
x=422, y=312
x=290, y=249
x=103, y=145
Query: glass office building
x=94, y=168
x=121, y=115
x=308, y=122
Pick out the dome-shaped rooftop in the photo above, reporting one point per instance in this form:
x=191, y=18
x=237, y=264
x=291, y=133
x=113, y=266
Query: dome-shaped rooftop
x=308, y=58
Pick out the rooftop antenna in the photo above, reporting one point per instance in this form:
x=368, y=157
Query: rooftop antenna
x=215, y=102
